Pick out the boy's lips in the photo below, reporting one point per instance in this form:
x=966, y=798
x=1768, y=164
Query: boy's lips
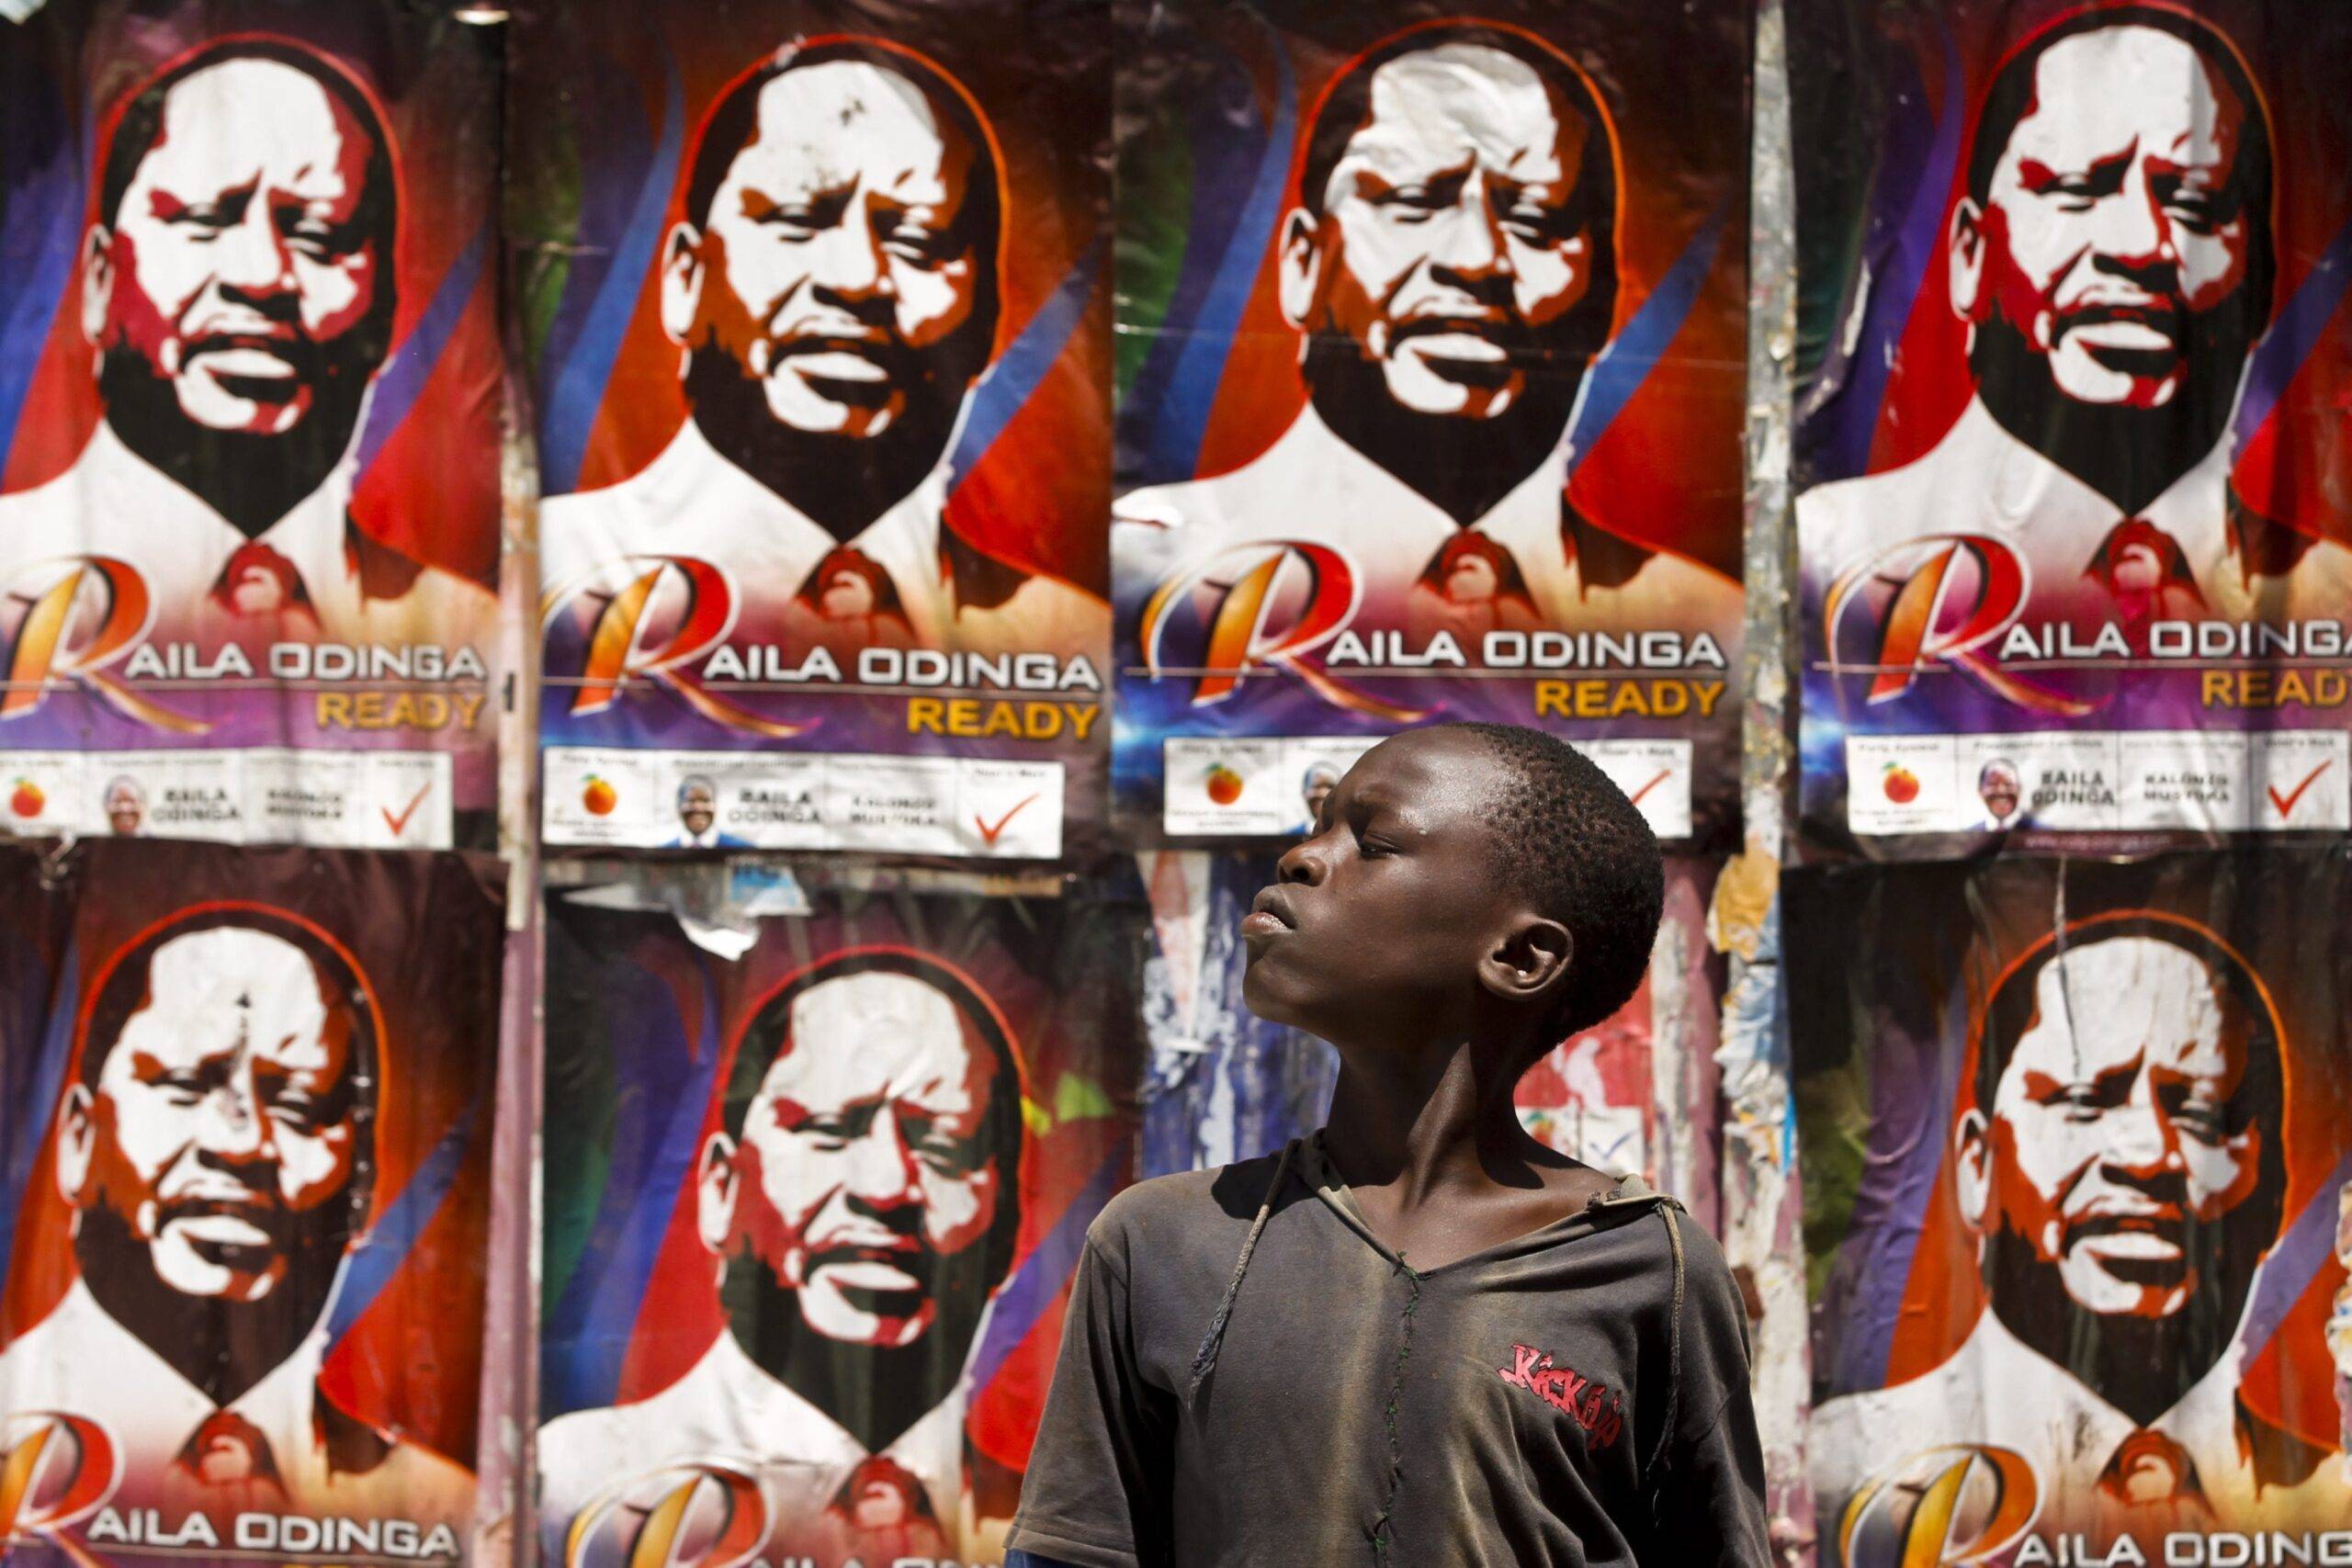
x=1270, y=914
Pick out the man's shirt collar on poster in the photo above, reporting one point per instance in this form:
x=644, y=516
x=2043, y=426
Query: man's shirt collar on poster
x=692, y=500
x=1528, y=520
x=772, y=1422
x=80, y=1359
x=2203, y=1421
x=183, y=547
x=2063, y=525
x=727, y=1407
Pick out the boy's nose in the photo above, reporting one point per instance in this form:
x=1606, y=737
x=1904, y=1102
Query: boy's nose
x=1301, y=862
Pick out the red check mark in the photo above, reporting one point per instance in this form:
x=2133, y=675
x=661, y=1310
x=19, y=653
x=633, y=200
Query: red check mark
x=400, y=824
x=1637, y=796
x=2286, y=802
x=988, y=835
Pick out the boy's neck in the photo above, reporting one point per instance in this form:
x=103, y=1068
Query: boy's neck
x=1432, y=1153
x=1427, y=1124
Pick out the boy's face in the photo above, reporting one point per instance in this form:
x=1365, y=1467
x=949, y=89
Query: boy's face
x=1379, y=917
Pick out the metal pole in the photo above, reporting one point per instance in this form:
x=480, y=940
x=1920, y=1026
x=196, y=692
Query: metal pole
x=1762, y=1235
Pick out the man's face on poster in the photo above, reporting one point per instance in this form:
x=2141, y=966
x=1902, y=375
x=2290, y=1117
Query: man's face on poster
x=2119, y=1141
x=835, y=267
x=2116, y=223
x=1321, y=780
x=1453, y=246
x=125, y=808
x=862, y=1167
x=223, y=1129
x=698, y=805
x=1999, y=787
x=239, y=267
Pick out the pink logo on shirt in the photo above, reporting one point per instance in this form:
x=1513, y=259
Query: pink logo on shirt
x=1600, y=1412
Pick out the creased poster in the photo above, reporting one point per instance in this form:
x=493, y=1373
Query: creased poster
x=1634, y=1093
x=250, y=381
x=244, y=1203
x=817, y=299
x=2075, y=1136
x=1431, y=343
x=812, y=1218
x=2073, y=544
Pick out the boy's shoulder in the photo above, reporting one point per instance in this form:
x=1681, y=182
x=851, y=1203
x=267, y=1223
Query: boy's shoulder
x=1213, y=1206
x=1674, y=1258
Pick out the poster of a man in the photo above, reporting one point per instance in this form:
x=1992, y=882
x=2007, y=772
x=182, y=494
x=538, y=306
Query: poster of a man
x=126, y=807
x=2116, y=1159
x=238, y=281
x=698, y=815
x=833, y=286
x=1315, y=788
x=2000, y=785
x=1450, y=264
x=2112, y=259
x=216, y=1150
x=860, y=1199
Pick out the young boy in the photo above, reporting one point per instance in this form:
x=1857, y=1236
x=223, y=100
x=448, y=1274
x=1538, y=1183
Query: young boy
x=1420, y=1337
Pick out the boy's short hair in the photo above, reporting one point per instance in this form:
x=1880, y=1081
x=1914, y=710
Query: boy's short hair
x=1569, y=840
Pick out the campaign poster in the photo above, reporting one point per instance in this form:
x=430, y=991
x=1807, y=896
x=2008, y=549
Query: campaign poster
x=2072, y=450
x=2076, y=1140
x=812, y=1215
x=245, y=1201
x=249, y=387
x=816, y=299
x=1431, y=358
x=1635, y=1093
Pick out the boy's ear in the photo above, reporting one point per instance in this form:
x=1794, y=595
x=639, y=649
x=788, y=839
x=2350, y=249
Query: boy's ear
x=1531, y=961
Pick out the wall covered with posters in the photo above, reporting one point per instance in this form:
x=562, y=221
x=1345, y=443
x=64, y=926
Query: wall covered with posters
x=2076, y=1139
x=815, y=298
x=1431, y=330
x=249, y=400
x=768, y=1329
x=2074, y=548
x=1064, y=435
x=242, y=1198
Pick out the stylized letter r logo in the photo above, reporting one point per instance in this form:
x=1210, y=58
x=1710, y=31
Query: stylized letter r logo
x=53, y=1469
x=49, y=648
x=617, y=645
x=1953, y=594
x=622, y=649
x=1942, y=1508
x=1253, y=583
x=1921, y=627
x=683, y=1516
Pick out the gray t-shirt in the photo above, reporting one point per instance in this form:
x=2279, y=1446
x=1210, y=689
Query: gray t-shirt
x=1575, y=1396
